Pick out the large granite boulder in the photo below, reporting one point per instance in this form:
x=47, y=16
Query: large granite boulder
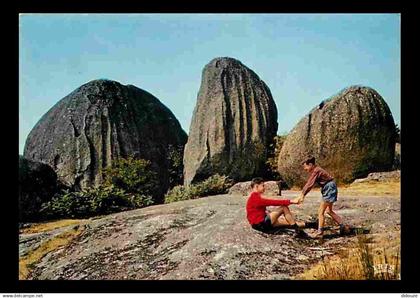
x=351, y=134
x=37, y=185
x=102, y=121
x=233, y=125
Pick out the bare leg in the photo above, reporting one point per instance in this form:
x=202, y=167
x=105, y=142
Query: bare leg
x=334, y=215
x=288, y=215
x=321, y=216
x=286, y=221
x=275, y=214
x=281, y=222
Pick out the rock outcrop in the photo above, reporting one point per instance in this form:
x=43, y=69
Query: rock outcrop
x=234, y=122
x=37, y=185
x=350, y=134
x=244, y=188
x=381, y=176
x=207, y=238
x=397, y=158
x=102, y=121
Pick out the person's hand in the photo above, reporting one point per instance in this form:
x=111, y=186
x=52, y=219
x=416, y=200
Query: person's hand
x=300, y=198
x=295, y=201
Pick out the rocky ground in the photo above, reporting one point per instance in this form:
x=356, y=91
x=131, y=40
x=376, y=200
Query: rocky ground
x=207, y=238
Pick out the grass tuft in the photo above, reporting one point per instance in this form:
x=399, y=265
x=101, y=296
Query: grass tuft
x=367, y=260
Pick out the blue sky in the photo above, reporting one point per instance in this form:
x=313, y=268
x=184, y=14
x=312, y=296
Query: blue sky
x=303, y=58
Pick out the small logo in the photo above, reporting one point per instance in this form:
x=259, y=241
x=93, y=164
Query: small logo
x=388, y=269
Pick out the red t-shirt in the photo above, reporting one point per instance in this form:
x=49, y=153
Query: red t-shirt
x=255, y=207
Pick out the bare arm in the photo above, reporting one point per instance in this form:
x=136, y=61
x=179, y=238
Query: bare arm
x=278, y=202
x=310, y=183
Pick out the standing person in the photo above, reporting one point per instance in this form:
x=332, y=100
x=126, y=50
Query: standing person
x=328, y=190
x=257, y=215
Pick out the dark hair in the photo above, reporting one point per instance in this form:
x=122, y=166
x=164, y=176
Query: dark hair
x=255, y=181
x=308, y=160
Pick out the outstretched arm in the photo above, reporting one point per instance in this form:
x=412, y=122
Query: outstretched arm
x=300, y=198
x=277, y=202
x=309, y=184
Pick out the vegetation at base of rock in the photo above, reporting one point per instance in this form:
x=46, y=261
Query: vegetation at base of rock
x=134, y=176
x=128, y=184
x=214, y=185
x=176, y=166
x=272, y=161
x=93, y=201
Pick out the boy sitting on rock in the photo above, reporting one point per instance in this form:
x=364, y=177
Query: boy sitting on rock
x=263, y=221
x=328, y=190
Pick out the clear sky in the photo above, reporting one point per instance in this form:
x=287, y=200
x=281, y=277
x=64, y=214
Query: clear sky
x=303, y=58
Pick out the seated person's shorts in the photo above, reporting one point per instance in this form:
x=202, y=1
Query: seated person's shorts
x=265, y=225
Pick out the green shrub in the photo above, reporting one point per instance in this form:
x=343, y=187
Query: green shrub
x=93, y=201
x=128, y=184
x=214, y=185
x=134, y=176
x=181, y=193
x=272, y=160
x=175, y=161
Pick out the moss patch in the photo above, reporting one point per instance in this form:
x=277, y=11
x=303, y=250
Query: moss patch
x=48, y=226
x=27, y=262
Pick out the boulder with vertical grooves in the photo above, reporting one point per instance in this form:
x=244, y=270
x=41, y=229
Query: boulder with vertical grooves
x=101, y=121
x=350, y=134
x=233, y=124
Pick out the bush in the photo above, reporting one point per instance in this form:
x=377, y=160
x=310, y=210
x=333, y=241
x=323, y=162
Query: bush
x=128, y=184
x=134, y=176
x=181, y=193
x=214, y=185
x=93, y=201
x=175, y=160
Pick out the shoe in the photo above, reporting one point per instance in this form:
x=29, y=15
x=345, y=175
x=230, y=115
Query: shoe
x=311, y=224
x=318, y=234
x=299, y=233
x=345, y=229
